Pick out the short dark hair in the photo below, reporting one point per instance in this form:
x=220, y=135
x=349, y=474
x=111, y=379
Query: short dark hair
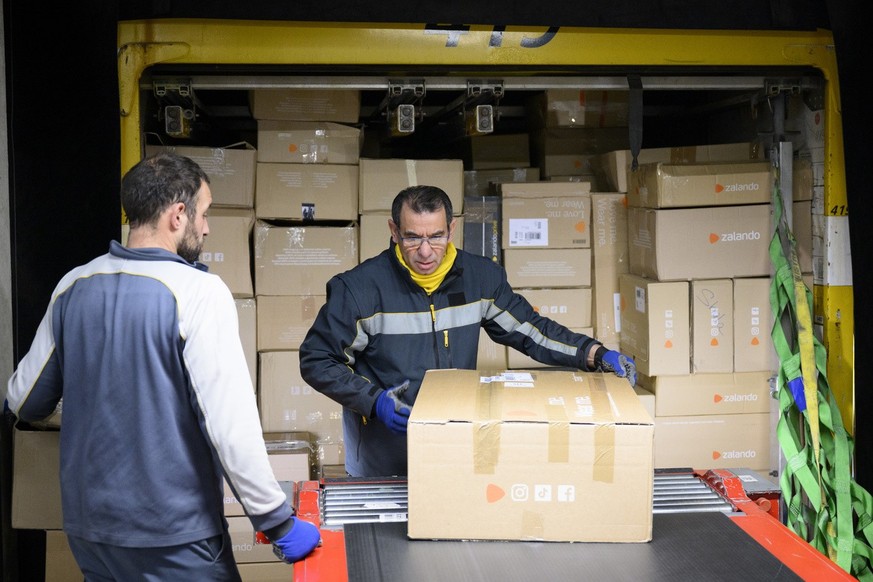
x=422, y=199
x=158, y=181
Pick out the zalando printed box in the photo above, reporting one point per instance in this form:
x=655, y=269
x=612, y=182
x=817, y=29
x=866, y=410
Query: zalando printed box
x=698, y=394
x=655, y=325
x=550, y=268
x=536, y=455
x=245, y=544
x=661, y=185
x=754, y=350
x=308, y=142
x=307, y=191
x=231, y=170
x=699, y=243
x=227, y=249
x=284, y=320
x=518, y=361
x=723, y=441
x=609, y=253
x=712, y=326
x=299, y=260
x=382, y=179
x=571, y=307
x=612, y=167
x=338, y=105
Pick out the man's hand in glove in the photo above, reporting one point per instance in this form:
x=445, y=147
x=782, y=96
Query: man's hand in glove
x=298, y=542
x=391, y=409
x=619, y=364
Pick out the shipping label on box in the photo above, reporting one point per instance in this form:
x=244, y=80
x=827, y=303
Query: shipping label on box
x=227, y=249
x=299, y=260
x=723, y=441
x=307, y=191
x=753, y=321
x=231, y=171
x=695, y=394
x=661, y=185
x=700, y=243
x=561, y=222
x=712, y=326
x=655, y=325
x=382, y=179
x=548, y=267
x=546, y=455
x=308, y=142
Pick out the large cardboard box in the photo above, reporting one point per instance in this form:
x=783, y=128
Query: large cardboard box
x=231, y=171
x=284, y=320
x=227, y=249
x=723, y=441
x=547, y=455
x=661, y=185
x=580, y=108
x=288, y=404
x=381, y=181
x=36, y=479
x=698, y=394
x=712, y=326
x=570, y=307
x=569, y=151
x=516, y=360
x=482, y=225
x=491, y=355
x=497, y=151
x=609, y=254
x=655, y=325
x=307, y=191
x=483, y=182
x=299, y=260
x=548, y=267
x=700, y=243
x=340, y=105
x=612, y=167
x=60, y=564
x=247, y=313
x=245, y=544
x=753, y=321
x=308, y=142
x=375, y=236
x=558, y=222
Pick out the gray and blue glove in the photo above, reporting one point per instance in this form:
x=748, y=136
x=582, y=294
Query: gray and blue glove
x=619, y=364
x=298, y=542
x=391, y=409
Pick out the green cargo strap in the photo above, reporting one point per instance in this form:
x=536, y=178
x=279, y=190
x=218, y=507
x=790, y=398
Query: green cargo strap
x=824, y=504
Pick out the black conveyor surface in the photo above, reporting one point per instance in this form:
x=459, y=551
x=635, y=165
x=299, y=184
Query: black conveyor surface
x=688, y=546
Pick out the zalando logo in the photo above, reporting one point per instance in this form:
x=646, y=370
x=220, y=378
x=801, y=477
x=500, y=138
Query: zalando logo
x=734, y=398
x=751, y=187
x=747, y=454
x=752, y=235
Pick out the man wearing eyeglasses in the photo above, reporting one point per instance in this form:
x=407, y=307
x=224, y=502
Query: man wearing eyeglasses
x=416, y=306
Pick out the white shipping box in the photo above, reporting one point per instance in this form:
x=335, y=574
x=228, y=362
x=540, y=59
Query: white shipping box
x=551, y=456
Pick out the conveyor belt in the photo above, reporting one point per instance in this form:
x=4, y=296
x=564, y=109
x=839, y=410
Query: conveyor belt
x=386, y=501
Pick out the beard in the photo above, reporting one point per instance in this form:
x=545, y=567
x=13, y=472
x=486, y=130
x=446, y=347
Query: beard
x=191, y=245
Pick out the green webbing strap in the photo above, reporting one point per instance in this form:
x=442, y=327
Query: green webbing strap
x=825, y=506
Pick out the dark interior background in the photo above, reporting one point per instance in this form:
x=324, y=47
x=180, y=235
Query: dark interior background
x=64, y=145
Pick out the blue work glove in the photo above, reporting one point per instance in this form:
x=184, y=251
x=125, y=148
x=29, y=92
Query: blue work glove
x=301, y=539
x=391, y=409
x=619, y=364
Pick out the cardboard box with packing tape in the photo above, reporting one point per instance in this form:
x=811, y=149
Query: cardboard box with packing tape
x=547, y=455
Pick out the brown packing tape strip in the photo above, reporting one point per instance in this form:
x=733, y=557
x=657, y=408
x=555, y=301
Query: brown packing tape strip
x=486, y=429
x=532, y=526
x=559, y=434
x=603, y=465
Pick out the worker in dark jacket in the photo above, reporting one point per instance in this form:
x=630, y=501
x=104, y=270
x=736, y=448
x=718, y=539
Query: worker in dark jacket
x=419, y=305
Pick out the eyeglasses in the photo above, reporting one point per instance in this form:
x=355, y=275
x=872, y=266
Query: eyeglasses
x=413, y=242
